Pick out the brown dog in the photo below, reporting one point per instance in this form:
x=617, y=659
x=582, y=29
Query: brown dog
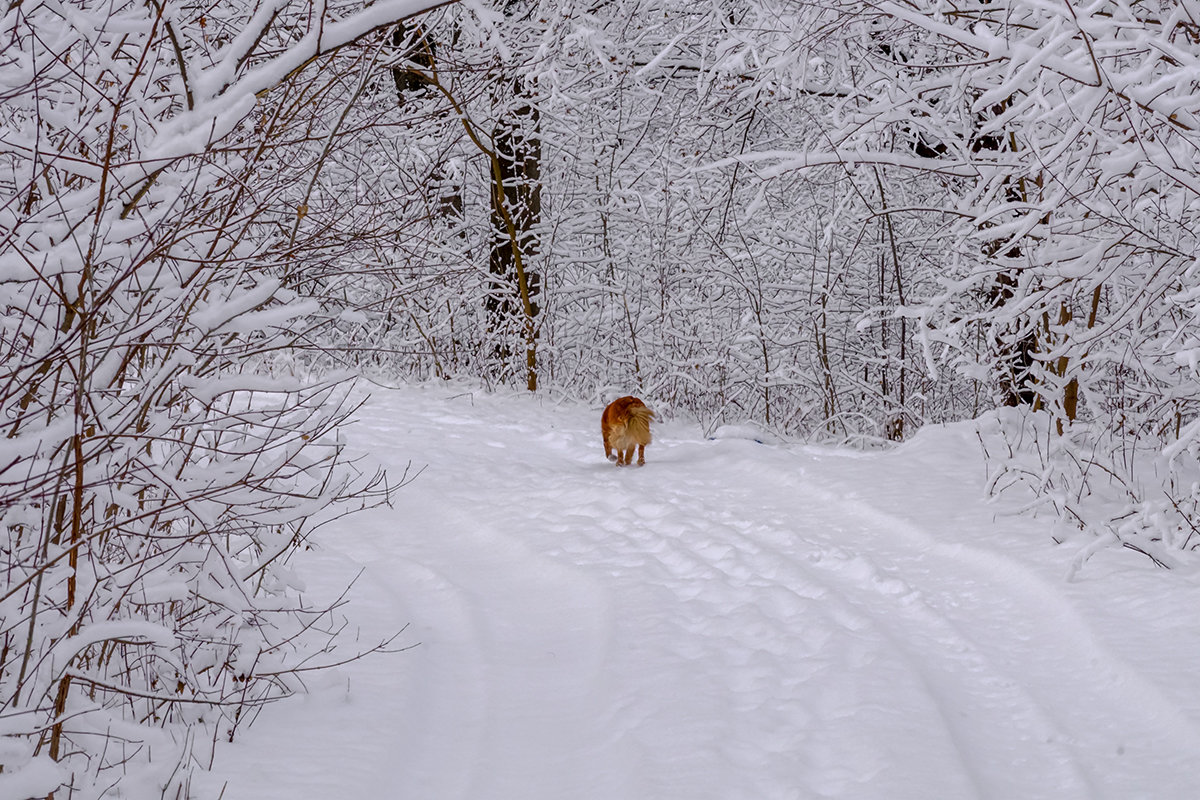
x=624, y=424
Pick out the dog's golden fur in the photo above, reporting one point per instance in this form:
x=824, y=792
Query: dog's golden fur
x=625, y=424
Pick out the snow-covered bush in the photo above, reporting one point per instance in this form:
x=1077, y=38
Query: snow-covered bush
x=154, y=480
x=1103, y=490
x=1084, y=135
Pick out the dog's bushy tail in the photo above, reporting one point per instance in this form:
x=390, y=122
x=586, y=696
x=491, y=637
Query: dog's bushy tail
x=639, y=423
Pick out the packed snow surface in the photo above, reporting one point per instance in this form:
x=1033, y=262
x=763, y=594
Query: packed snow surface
x=742, y=617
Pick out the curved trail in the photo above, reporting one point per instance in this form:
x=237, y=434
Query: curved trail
x=733, y=620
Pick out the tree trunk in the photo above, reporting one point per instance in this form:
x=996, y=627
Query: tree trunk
x=1012, y=348
x=516, y=199
x=416, y=48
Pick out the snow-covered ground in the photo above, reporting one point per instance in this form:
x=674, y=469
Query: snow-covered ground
x=737, y=619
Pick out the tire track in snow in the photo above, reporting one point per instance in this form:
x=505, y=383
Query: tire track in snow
x=772, y=602
x=739, y=632
x=513, y=640
x=986, y=631
x=998, y=692
x=682, y=705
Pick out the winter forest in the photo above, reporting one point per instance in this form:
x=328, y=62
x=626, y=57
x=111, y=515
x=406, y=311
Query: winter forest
x=840, y=221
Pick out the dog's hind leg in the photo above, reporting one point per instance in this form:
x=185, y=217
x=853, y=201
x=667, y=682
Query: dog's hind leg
x=641, y=455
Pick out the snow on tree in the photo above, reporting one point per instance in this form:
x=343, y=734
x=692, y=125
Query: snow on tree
x=157, y=472
x=1066, y=142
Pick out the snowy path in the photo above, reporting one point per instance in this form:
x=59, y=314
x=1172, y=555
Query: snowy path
x=734, y=620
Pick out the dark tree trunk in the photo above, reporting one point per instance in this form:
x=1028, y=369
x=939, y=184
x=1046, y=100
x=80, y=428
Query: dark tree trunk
x=1013, y=348
x=415, y=48
x=516, y=198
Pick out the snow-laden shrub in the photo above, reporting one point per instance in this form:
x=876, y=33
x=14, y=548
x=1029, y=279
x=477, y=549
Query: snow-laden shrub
x=1103, y=489
x=153, y=487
